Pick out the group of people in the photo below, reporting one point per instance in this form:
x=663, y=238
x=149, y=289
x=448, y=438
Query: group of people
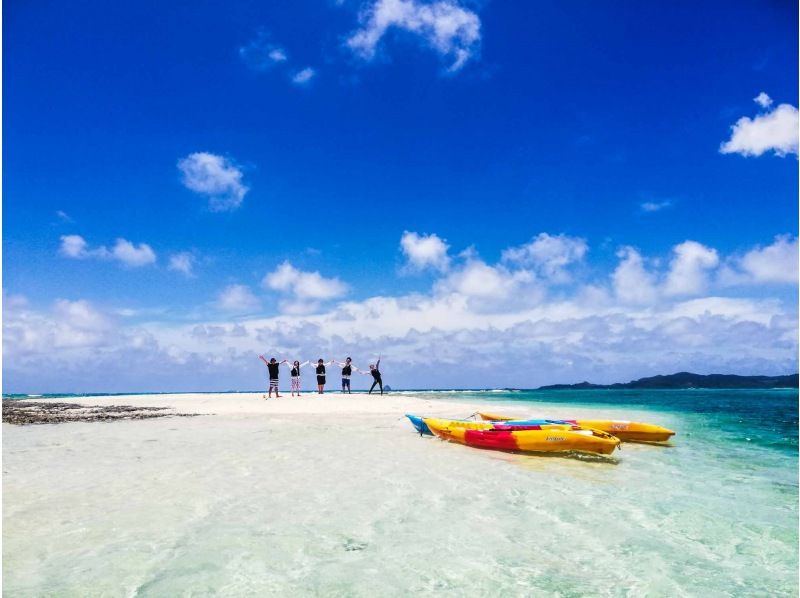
x=273, y=365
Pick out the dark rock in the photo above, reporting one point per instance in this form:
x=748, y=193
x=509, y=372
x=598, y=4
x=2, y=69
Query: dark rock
x=47, y=412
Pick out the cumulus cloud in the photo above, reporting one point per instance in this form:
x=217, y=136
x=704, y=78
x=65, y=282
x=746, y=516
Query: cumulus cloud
x=689, y=269
x=260, y=53
x=86, y=350
x=304, y=76
x=277, y=55
x=182, y=262
x=305, y=285
x=215, y=332
x=133, y=255
x=123, y=251
x=775, y=130
x=215, y=177
x=67, y=326
x=477, y=279
x=425, y=341
x=647, y=318
x=304, y=290
x=776, y=263
x=74, y=246
x=425, y=251
x=452, y=31
x=81, y=315
x=549, y=255
x=632, y=281
x=238, y=298
x=654, y=206
x=763, y=100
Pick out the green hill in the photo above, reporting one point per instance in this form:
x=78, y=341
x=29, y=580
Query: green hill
x=689, y=380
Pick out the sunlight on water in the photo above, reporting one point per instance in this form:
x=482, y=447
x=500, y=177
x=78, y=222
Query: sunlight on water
x=366, y=507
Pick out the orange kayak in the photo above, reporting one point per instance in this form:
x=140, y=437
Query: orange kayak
x=624, y=430
x=559, y=439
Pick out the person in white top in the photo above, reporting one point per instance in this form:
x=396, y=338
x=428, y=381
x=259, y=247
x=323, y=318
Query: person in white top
x=347, y=370
x=320, y=371
x=295, y=373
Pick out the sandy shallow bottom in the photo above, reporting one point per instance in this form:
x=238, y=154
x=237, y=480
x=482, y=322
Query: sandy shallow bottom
x=337, y=496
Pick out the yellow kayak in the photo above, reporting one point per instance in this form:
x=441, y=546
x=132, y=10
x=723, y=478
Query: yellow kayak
x=624, y=430
x=558, y=439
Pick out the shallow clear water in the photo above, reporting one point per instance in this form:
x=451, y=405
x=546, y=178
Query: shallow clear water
x=363, y=506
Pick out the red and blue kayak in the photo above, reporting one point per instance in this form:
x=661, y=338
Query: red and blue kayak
x=546, y=439
x=529, y=424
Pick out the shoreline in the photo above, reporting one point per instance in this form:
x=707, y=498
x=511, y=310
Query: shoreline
x=253, y=404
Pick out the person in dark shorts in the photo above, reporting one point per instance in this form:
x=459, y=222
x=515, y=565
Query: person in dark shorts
x=321, y=376
x=347, y=370
x=274, y=367
x=376, y=376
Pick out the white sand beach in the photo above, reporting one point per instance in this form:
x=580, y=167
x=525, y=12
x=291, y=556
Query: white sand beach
x=337, y=495
x=254, y=404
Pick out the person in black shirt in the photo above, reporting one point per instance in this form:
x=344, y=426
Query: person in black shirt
x=295, y=373
x=273, y=366
x=321, y=376
x=376, y=376
x=347, y=370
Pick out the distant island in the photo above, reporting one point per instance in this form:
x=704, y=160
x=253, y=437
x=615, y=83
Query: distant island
x=689, y=380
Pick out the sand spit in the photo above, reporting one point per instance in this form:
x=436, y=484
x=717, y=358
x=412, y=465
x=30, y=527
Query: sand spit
x=219, y=406
x=250, y=405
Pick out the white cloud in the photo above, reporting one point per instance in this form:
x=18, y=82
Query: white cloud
x=277, y=55
x=125, y=252
x=654, y=206
x=81, y=315
x=775, y=263
x=695, y=269
x=238, y=298
x=74, y=246
x=282, y=279
x=491, y=316
x=425, y=251
x=312, y=285
x=477, y=279
x=452, y=31
x=182, y=262
x=775, y=131
x=632, y=282
x=133, y=255
x=425, y=341
x=260, y=54
x=688, y=274
x=68, y=326
x=63, y=216
x=550, y=255
x=303, y=76
x=763, y=100
x=305, y=289
x=216, y=177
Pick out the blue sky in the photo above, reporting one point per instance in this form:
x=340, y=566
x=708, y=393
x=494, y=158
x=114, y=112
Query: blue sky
x=503, y=184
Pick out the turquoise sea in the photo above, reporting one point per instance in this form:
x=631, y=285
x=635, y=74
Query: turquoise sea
x=362, y=506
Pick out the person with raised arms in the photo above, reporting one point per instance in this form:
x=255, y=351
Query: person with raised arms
x=375, y=372
x=273, y=366
x=347, y=370
x=321, y=375
x=295, y=374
